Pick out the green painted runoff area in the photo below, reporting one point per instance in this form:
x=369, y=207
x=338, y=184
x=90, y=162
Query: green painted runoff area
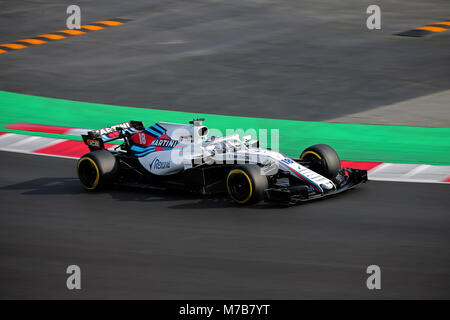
x=358, y=142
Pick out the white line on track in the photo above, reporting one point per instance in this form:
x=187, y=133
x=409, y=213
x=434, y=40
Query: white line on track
x=415, y=170
x=6, y=135
x=52, y=143
x=24, y=141
x=380, y=167
x=408, y=180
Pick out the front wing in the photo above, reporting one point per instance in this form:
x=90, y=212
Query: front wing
x=290, y=195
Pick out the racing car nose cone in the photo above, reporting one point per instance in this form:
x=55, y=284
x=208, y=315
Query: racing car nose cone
x=328, y=186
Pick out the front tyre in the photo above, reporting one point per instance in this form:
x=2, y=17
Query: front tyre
x=323, y=159
x=246, y=185
x=97, y=170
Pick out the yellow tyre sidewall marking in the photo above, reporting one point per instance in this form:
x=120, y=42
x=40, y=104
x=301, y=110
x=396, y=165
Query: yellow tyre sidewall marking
x=94, y=185
x=239, y=171
x=310, y=152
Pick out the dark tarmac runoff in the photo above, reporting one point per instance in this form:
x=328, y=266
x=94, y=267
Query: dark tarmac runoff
x=139, y=244
x=290, y=59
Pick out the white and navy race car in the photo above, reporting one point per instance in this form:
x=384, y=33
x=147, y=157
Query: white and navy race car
x=183, y=156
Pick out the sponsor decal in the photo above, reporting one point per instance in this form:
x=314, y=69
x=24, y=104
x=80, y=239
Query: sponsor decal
x=156, y=164
x=287, y=161
x=142, y=139
x=125, y=125
x=93, y=143
x=164, y=143
x=187, y=138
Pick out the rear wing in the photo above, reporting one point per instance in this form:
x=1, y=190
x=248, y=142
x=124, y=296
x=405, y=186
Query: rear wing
x=96, y=139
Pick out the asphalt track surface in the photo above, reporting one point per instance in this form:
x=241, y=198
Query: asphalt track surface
x=139, y=244
x=305, y=60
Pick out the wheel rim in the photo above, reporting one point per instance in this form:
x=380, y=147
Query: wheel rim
x=88, y=173
x=316, y=162
x=239, y=186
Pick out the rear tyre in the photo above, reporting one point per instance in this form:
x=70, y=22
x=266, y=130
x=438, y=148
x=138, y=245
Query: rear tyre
x=324, y=160
x=97, y=170
x=246, y=185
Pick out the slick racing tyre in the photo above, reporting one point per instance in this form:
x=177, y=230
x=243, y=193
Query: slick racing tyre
x=323, y=160
x=246, y=185
x=97, y=170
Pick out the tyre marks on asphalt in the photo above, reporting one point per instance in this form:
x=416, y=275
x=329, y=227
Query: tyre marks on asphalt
x=60, y=35
x=436, y=27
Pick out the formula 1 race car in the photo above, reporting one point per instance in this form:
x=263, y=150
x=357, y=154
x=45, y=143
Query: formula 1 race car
x=181, y=156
